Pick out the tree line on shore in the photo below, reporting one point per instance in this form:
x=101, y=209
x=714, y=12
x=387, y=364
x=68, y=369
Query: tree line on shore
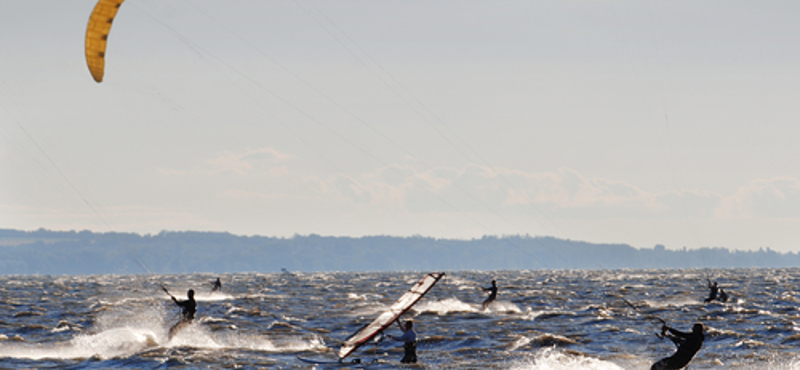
x=45, y=252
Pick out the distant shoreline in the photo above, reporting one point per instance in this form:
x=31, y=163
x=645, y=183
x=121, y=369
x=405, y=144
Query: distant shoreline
x=88, y=253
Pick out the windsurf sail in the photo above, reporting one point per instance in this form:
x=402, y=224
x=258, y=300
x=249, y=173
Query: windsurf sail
x=386, y=319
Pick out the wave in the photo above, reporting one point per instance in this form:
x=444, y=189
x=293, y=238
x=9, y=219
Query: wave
x=455, y=305
x=114, y=343
x=552, y=359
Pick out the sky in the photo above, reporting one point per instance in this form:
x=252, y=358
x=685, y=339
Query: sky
x=632, y=122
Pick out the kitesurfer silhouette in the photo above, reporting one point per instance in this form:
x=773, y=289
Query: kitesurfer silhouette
x=492, y=294
x=217, y=285
x=723, y=296
x=688, y=344
x=712, y=294
x=409, y=339
x=188, y=309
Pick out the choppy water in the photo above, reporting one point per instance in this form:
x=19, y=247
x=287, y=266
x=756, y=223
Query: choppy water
x=541, y=319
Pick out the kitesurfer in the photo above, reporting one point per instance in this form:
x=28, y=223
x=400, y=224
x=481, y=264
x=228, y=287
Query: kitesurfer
x=409, y=339
x=688, y=344
x=188, y=308
x=492, y=294
x=217, y=285
x=723, y=296
x=712, y=294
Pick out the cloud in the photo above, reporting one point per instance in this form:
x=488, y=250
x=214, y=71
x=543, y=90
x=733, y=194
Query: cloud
x=777, y=197
x=238, y=194
x=688, y=203
x=563, y=193
x=569, y=189
x=249, y=162
x=477, y=189
x=386, y=186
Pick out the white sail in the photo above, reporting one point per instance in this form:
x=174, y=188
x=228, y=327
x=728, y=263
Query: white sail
x=386, y=319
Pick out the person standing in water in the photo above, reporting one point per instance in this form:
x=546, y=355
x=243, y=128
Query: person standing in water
x=217, y=285
x=188, y=309
x=714, y=290
x=492, y=294
x=688, y=344
x=409, y=339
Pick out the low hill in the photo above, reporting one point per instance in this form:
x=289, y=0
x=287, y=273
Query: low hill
x=87, y=253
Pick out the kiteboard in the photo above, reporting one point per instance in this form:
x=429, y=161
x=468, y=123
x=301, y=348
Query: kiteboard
x=355, y=362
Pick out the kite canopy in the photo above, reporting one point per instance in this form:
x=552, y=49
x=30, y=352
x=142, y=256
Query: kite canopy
x=97, y=35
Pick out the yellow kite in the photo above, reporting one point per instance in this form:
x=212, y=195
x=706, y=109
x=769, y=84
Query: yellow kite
x=97, y=35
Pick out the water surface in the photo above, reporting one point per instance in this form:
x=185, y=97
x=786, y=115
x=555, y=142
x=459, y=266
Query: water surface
x=568, y=319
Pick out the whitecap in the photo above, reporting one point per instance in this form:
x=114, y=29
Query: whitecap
x=552, y=359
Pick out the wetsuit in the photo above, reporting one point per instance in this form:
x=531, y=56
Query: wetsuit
x=492, y=294
x=712, y=295
x=688, y=345
x=409, y=339
x=217, y=286
x=723, y=297
x=188, y=309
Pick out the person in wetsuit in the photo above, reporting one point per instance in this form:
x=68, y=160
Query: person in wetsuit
x=688, y=344
x=409, y=339
x=712, y=294
x=217, y=285
x=492, y=294
x=723, y=296
x=188, y=309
